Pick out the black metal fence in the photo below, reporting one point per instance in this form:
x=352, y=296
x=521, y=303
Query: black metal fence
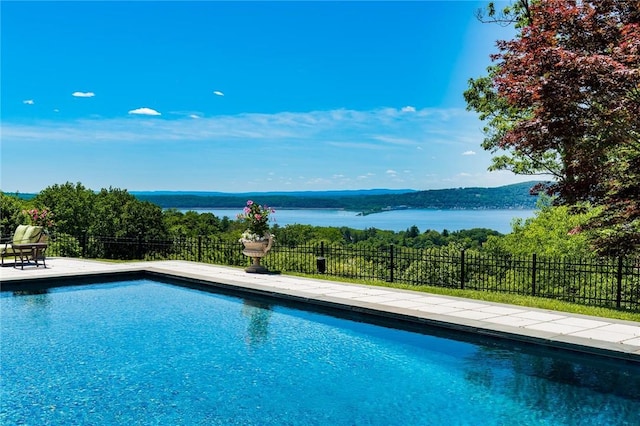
x=607, y=282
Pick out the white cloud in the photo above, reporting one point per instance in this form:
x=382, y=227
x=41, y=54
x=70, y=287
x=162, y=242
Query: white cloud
x=28, y=102
x=469, y=153
x=318, y=180
x=356, y=145
x=395, y=140
x=83, y=94
x=144, y=111
x=217, y=92
x=408, y=109
x=340, y=129
x=331, y=149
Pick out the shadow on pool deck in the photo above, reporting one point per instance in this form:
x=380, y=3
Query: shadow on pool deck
x=608, y=337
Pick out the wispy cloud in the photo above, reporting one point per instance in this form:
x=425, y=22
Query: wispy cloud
x=366, y=176
x=83, y=94
x=218, y=93
x=356, y=145
x=28, y=102
x=408, y=109
x=395, y=140
x=375, y=129
x=334, y=149
x=144, y=111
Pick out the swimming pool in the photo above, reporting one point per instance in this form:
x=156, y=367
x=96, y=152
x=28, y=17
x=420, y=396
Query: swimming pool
x=149, y=352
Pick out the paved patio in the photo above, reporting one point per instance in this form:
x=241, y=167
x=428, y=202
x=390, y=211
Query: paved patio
x=608, y=337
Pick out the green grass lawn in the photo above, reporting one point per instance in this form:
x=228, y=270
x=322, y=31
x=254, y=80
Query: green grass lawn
x=511, y=299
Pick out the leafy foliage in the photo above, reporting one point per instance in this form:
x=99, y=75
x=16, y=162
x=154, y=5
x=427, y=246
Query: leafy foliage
x=10, y=214
x=120, y=214
x=112, y=212
x=256, y=219
x=39, y=217
x=192, y=224
x=563, y=99
x=116, y=213
x=477, y=259
x=552, y=232
x=616, y=229
x=72, y=206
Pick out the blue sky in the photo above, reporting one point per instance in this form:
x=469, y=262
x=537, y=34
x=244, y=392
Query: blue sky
x=243, y=96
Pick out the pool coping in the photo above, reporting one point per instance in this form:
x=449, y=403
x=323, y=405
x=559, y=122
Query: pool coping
x=606, y=337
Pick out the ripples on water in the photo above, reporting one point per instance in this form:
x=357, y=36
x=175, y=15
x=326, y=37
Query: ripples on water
x=143, y=352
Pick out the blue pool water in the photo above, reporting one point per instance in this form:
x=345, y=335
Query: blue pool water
x=146, y=352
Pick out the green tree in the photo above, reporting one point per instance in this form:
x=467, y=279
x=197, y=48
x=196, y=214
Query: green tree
x=72, y=206
x=193, y=224
x=10, y=214
x=562, y=99
x=119, y=214
x=296, y=234
x=553, y=232
x=616, y=231
x=412, y=232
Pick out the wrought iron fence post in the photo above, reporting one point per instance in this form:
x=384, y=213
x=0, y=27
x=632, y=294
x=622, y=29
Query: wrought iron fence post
x=139, y=247
x=619, y=282
x=85, y=241
x=462, y=277
x=199, y=248
x=321, y=261
x=391, y=264
x=533, y=274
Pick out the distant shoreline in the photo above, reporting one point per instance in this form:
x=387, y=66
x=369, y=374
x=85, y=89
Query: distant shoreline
x=391, y=220
x=365, y=202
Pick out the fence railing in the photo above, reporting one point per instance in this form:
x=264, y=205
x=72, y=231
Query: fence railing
x=607, y=282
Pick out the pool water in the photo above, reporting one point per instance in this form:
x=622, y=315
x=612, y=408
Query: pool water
x=146, y=352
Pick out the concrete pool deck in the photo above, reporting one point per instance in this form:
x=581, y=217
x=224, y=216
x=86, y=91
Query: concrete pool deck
x=603, y=336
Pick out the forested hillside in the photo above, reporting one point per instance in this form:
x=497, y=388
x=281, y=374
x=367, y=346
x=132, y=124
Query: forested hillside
x=515, y=196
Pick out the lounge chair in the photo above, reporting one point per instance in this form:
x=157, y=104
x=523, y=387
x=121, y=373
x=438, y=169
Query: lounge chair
x=29, y=242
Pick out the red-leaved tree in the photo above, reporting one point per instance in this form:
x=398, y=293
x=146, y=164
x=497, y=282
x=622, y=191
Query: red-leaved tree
x=563, y=99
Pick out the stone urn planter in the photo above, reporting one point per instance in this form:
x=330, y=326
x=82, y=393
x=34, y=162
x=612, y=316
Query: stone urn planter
x=256, y=250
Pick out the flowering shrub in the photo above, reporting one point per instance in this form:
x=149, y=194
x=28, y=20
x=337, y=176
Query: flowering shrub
x=249, y=236
x=37, y=217
x=256, y=218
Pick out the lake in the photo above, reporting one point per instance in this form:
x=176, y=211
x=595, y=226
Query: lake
x=396, y=220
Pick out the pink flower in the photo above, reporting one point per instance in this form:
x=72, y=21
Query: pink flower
x=575, y=230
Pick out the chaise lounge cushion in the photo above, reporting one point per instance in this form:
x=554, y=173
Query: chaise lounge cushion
x=18, y=235
x=24, y=234
x=31, y=235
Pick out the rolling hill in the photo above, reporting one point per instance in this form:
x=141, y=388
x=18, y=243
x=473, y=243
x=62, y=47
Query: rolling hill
x=514, y=196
